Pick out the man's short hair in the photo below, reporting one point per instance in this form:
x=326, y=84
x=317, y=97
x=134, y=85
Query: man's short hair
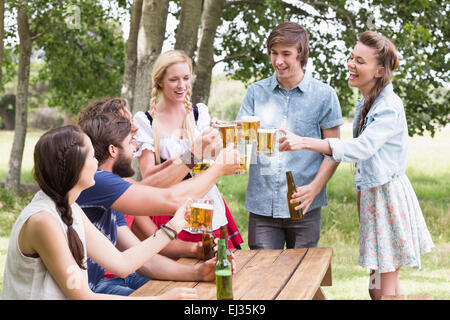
x=293, y=34
x=101, y=106
x=105, y=130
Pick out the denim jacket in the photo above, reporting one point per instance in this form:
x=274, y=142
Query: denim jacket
x=380, y=151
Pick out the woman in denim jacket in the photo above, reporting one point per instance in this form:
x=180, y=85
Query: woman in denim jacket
x=393, y=231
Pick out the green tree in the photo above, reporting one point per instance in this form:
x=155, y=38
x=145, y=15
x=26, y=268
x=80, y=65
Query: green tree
x=84, y=56
x=150, y=41
x=2, y=36
x=240, y=28
x=26, y=35
x=129, y=74
x=419, y=29
x=211, y=19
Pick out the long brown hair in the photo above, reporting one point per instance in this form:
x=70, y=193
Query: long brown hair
x=59, y=157
x=386, y=56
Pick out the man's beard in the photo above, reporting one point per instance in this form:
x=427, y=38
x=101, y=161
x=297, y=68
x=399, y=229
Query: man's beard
x=122, y=167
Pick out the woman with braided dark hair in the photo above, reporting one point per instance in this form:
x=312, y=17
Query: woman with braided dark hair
x=393, y=231
x=52, y=237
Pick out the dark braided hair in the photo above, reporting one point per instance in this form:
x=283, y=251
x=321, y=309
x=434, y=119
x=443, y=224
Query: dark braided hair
x=59, y=157
x=386, y=57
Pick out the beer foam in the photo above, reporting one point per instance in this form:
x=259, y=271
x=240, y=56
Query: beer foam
x=250, y=118
x=262, y=130
x=226, y=125
x=206, y=206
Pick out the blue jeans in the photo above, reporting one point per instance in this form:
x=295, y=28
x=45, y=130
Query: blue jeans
x=119, y=286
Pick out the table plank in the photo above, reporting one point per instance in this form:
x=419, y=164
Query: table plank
x=207, y=290
x=327, y=280
x=153, y=290
x=274, y=277
x=242, y=257
x=263, y=274
x=160, y=286
x=253, y=272
x=319, y=295
x=306, y=280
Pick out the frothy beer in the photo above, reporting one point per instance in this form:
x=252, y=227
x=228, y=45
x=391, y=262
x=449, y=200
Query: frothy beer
x=229, y=133
x=266, y=142
x=250, y=126
x=201, y=216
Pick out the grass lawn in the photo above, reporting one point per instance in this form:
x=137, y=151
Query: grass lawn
x=428, y=170
x=6, y=139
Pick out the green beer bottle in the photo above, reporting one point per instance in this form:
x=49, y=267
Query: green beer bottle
x=224, y=236
x=223, y=270
x=295, y=214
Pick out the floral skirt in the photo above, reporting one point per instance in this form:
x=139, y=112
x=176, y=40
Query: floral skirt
x=393, y=232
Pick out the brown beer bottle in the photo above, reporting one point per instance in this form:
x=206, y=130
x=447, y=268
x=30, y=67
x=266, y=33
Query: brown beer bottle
x=295, y=214
x=224, y=236
x=207, y=245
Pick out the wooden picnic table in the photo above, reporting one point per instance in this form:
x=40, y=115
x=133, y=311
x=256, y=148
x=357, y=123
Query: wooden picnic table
x=291, y=274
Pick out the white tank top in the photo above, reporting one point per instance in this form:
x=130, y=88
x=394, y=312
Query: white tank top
x=27, y=277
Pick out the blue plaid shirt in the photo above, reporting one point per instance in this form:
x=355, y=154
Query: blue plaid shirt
x=304, y=110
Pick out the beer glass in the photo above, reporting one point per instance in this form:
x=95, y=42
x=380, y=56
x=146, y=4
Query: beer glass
x=200, y=219
x=202, y=166
x=229, y=133
x=266, y=140
x=250, y=126
x=243, y=156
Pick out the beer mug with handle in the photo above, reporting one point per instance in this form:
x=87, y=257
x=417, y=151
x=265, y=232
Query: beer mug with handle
x=267, y=141
x=201, y=216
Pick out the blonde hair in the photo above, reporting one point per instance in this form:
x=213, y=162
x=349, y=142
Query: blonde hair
x=160, y=66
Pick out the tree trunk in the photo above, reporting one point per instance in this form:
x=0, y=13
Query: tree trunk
x=129, y=75
x=211, y=19
x=187, y=33
x=15, y=161
x=2, y=36
x=150, y=40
